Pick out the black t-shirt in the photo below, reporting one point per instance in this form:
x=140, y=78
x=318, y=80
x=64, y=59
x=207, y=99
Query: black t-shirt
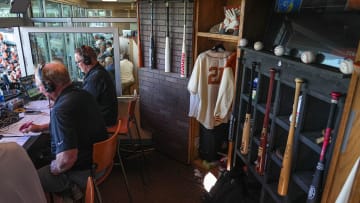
x=99, y=83
x=76, y=122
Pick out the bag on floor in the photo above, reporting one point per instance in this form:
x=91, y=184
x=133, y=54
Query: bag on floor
x=229, y=188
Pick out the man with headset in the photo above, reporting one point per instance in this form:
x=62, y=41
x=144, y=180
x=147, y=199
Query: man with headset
x=98, y=82
x=75, y=125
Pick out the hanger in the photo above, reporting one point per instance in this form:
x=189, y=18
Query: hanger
x=218, y=48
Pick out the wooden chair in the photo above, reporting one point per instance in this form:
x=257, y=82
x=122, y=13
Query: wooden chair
x=90, y=191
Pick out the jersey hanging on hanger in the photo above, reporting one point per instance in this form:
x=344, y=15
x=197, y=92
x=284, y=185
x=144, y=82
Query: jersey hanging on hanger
x=211, y=88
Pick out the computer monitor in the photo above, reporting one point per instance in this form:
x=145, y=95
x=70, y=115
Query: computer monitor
x=29, y=87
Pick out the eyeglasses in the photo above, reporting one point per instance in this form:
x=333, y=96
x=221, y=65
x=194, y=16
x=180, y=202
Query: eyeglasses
x=77, y=62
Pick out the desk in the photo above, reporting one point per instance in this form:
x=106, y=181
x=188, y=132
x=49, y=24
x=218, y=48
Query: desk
x=36, y=144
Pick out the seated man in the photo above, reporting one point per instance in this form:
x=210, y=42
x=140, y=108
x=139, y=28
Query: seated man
x=109, y=67
x=19, y=180
x=127, y=74
x=98, y=82
x=75, y=125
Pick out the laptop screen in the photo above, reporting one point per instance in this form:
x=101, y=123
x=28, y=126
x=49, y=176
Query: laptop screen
x=28, y=85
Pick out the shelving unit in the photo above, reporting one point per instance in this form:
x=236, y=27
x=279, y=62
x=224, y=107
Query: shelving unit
x=319, y=82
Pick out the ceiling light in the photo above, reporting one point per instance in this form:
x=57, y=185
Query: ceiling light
x=109, y=0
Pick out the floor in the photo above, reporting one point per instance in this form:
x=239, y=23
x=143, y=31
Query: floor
x=166, y=181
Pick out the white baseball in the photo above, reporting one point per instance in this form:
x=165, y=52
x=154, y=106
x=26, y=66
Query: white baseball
x=279, y=50
x=346, y=66
x=243, y=42
x=258, y=46
x=307, y=57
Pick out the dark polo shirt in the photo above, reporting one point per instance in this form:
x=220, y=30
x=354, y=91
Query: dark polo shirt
x=76, y=122
x=100, y=84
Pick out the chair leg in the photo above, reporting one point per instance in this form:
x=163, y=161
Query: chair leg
x=142, y=151
x=98, y=194
x=124, y=174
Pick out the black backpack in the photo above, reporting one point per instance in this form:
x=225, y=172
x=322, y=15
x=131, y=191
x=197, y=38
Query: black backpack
x=229, y=188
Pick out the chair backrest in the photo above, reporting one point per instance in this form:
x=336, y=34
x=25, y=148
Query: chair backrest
x=104, y=151
x=90, y=191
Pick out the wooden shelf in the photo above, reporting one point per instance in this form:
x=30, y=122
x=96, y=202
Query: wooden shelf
x=219, y=37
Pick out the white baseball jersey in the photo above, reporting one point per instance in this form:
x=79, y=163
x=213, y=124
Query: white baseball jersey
x=211, y=87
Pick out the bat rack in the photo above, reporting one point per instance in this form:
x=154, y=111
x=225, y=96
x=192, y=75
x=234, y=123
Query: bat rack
x=319, y=82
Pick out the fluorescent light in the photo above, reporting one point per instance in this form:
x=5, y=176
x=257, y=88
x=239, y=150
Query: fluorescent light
x=109, y=0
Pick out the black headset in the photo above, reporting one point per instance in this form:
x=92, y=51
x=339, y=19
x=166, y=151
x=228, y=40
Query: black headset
x=84, y=54
x=49, y=86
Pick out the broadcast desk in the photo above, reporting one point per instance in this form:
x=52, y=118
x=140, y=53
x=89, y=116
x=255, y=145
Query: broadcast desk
x=36, y=144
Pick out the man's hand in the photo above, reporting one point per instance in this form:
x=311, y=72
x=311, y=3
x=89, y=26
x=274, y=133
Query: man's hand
x=30, y=127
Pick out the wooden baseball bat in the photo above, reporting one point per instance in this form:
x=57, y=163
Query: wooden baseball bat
x=183, y=66
x=140, y=53
x=287, y=158
x=152, y=41
x=167, y=41
x=244, y=149
x=260, y=164
x=314, y=189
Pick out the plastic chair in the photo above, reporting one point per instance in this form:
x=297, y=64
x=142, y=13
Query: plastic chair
x=90, y=191
x=103, y=160
x=127, y=122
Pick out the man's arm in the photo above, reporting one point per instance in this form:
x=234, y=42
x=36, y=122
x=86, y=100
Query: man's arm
x=64, y=161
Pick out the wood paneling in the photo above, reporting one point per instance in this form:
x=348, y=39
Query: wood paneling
x=346, y=149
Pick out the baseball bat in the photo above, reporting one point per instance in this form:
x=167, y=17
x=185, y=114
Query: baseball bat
x=287, y=158
x=183, y=66
x=152, y=42
x=244, y=149
x=232, y=122
x=314, y=189
x=140, y=53
x=167, y=41
x=260, y=164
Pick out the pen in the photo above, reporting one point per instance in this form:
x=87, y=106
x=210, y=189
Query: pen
x=25, y=125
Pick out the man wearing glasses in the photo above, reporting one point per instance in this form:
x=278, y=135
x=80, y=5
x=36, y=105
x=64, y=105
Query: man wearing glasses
x=98, y=82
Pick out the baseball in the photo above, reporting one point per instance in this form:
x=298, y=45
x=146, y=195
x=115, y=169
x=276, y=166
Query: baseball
x=243, y=42
x=279, y=50
x=346, y=66
x=307, y=57
x=258, y=46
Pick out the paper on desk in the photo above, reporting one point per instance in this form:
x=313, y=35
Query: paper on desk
x=13, y=129
x=38, y=105
x=19, y=140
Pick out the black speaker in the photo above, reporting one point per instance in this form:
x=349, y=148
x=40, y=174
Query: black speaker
x=49, y=86
x=85, y=55
x=19, y=6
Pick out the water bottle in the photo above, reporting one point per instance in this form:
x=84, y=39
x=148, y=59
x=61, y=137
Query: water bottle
x=254, y=86
x=2, y=99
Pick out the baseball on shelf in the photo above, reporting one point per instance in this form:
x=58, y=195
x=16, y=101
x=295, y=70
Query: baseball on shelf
x=258, y=45
x=346, y=66
x=279, y=50
x=243, y=42
x=307, y=57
